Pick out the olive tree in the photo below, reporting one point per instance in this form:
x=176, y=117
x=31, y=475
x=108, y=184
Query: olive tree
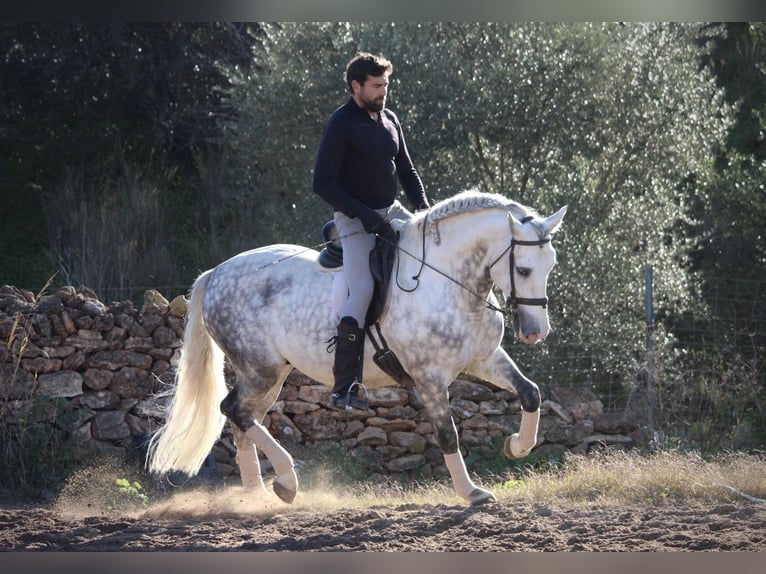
x=272, y=144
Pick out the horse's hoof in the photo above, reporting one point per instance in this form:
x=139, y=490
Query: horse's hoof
x=284, y=493
x=513, y=450
x=481, y=496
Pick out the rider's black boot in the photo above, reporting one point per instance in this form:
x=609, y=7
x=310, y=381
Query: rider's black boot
x=348, y=348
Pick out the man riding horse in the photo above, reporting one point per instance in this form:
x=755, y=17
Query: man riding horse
x=361, y=157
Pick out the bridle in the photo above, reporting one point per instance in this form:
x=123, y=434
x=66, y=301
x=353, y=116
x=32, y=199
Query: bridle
x=512, y=300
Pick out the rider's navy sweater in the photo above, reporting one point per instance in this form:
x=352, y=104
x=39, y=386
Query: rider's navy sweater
x=360, y=159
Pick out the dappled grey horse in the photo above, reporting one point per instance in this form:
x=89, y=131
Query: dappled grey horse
x=269, y=311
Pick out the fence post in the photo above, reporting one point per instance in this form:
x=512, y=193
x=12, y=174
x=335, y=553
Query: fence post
x=651, y=391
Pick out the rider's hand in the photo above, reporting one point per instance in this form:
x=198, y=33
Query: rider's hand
x=371, y=219
x=387, y=233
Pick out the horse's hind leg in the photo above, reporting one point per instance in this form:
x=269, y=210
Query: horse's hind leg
x=246, y=412
x=435, y=398
x=249, y=465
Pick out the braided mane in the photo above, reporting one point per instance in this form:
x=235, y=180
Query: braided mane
x=472, y=200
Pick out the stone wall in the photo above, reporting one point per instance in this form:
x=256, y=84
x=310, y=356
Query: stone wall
x=104, y=365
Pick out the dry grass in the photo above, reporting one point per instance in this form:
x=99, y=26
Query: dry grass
x=618, y=477
x=611, y=477
x=608, y=478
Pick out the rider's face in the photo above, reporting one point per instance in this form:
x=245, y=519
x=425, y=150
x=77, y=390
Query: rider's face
x=372, y=94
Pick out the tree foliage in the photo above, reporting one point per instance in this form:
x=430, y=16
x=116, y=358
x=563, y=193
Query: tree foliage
x=95, y=103
x=87, y=90
x=731, y=241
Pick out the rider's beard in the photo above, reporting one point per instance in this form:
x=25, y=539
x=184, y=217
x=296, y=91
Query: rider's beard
x=375, y=105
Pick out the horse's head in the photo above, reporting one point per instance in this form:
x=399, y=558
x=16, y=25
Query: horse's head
x=530, y=258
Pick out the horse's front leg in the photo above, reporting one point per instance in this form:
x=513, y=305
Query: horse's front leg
x=435, y=398
x=500, y=370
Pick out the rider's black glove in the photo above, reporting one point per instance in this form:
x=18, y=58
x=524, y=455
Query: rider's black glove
x=373, y=222
x=386, y=232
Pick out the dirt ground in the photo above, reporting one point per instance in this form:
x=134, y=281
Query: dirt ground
x=202, y=523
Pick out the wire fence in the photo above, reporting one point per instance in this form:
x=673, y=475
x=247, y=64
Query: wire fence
x=736, y=314
x=725, y=347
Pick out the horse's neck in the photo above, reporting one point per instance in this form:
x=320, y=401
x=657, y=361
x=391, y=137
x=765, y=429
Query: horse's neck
x=463, y=242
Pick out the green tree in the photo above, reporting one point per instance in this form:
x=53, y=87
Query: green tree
x=730, y=213
x=735, y=52
x=83, y=102
x=86, y=90
x=271, y=143
x=721, y=380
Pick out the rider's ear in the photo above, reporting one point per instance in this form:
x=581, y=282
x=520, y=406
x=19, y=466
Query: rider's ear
x=551, y=224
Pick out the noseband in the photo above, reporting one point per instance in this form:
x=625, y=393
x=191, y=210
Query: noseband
x=512, y=300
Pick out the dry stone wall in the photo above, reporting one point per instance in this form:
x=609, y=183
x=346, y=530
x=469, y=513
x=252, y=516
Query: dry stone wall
x=100, y=370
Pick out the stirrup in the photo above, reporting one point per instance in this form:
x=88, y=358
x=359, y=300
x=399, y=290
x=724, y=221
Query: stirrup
x=351, y=401
x=361, y=386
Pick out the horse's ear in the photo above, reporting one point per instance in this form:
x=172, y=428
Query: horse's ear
x=551, y=224
x=515, y=223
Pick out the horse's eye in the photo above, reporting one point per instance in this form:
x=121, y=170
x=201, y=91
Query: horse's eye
x=523, y=271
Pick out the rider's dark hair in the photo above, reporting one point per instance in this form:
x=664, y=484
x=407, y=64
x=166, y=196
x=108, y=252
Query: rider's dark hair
x=364, y=64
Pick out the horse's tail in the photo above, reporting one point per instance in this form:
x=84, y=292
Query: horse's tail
x=194, y=421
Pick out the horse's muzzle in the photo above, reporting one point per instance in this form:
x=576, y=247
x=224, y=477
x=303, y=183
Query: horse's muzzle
x=531, y=338
x=530, y=327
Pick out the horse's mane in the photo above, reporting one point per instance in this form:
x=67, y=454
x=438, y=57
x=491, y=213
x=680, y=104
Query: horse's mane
x=472, y=200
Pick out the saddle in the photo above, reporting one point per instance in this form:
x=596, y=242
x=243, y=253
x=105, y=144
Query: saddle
x=381, y=266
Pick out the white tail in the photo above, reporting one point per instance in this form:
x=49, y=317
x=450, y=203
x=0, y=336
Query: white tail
x=194, y=420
